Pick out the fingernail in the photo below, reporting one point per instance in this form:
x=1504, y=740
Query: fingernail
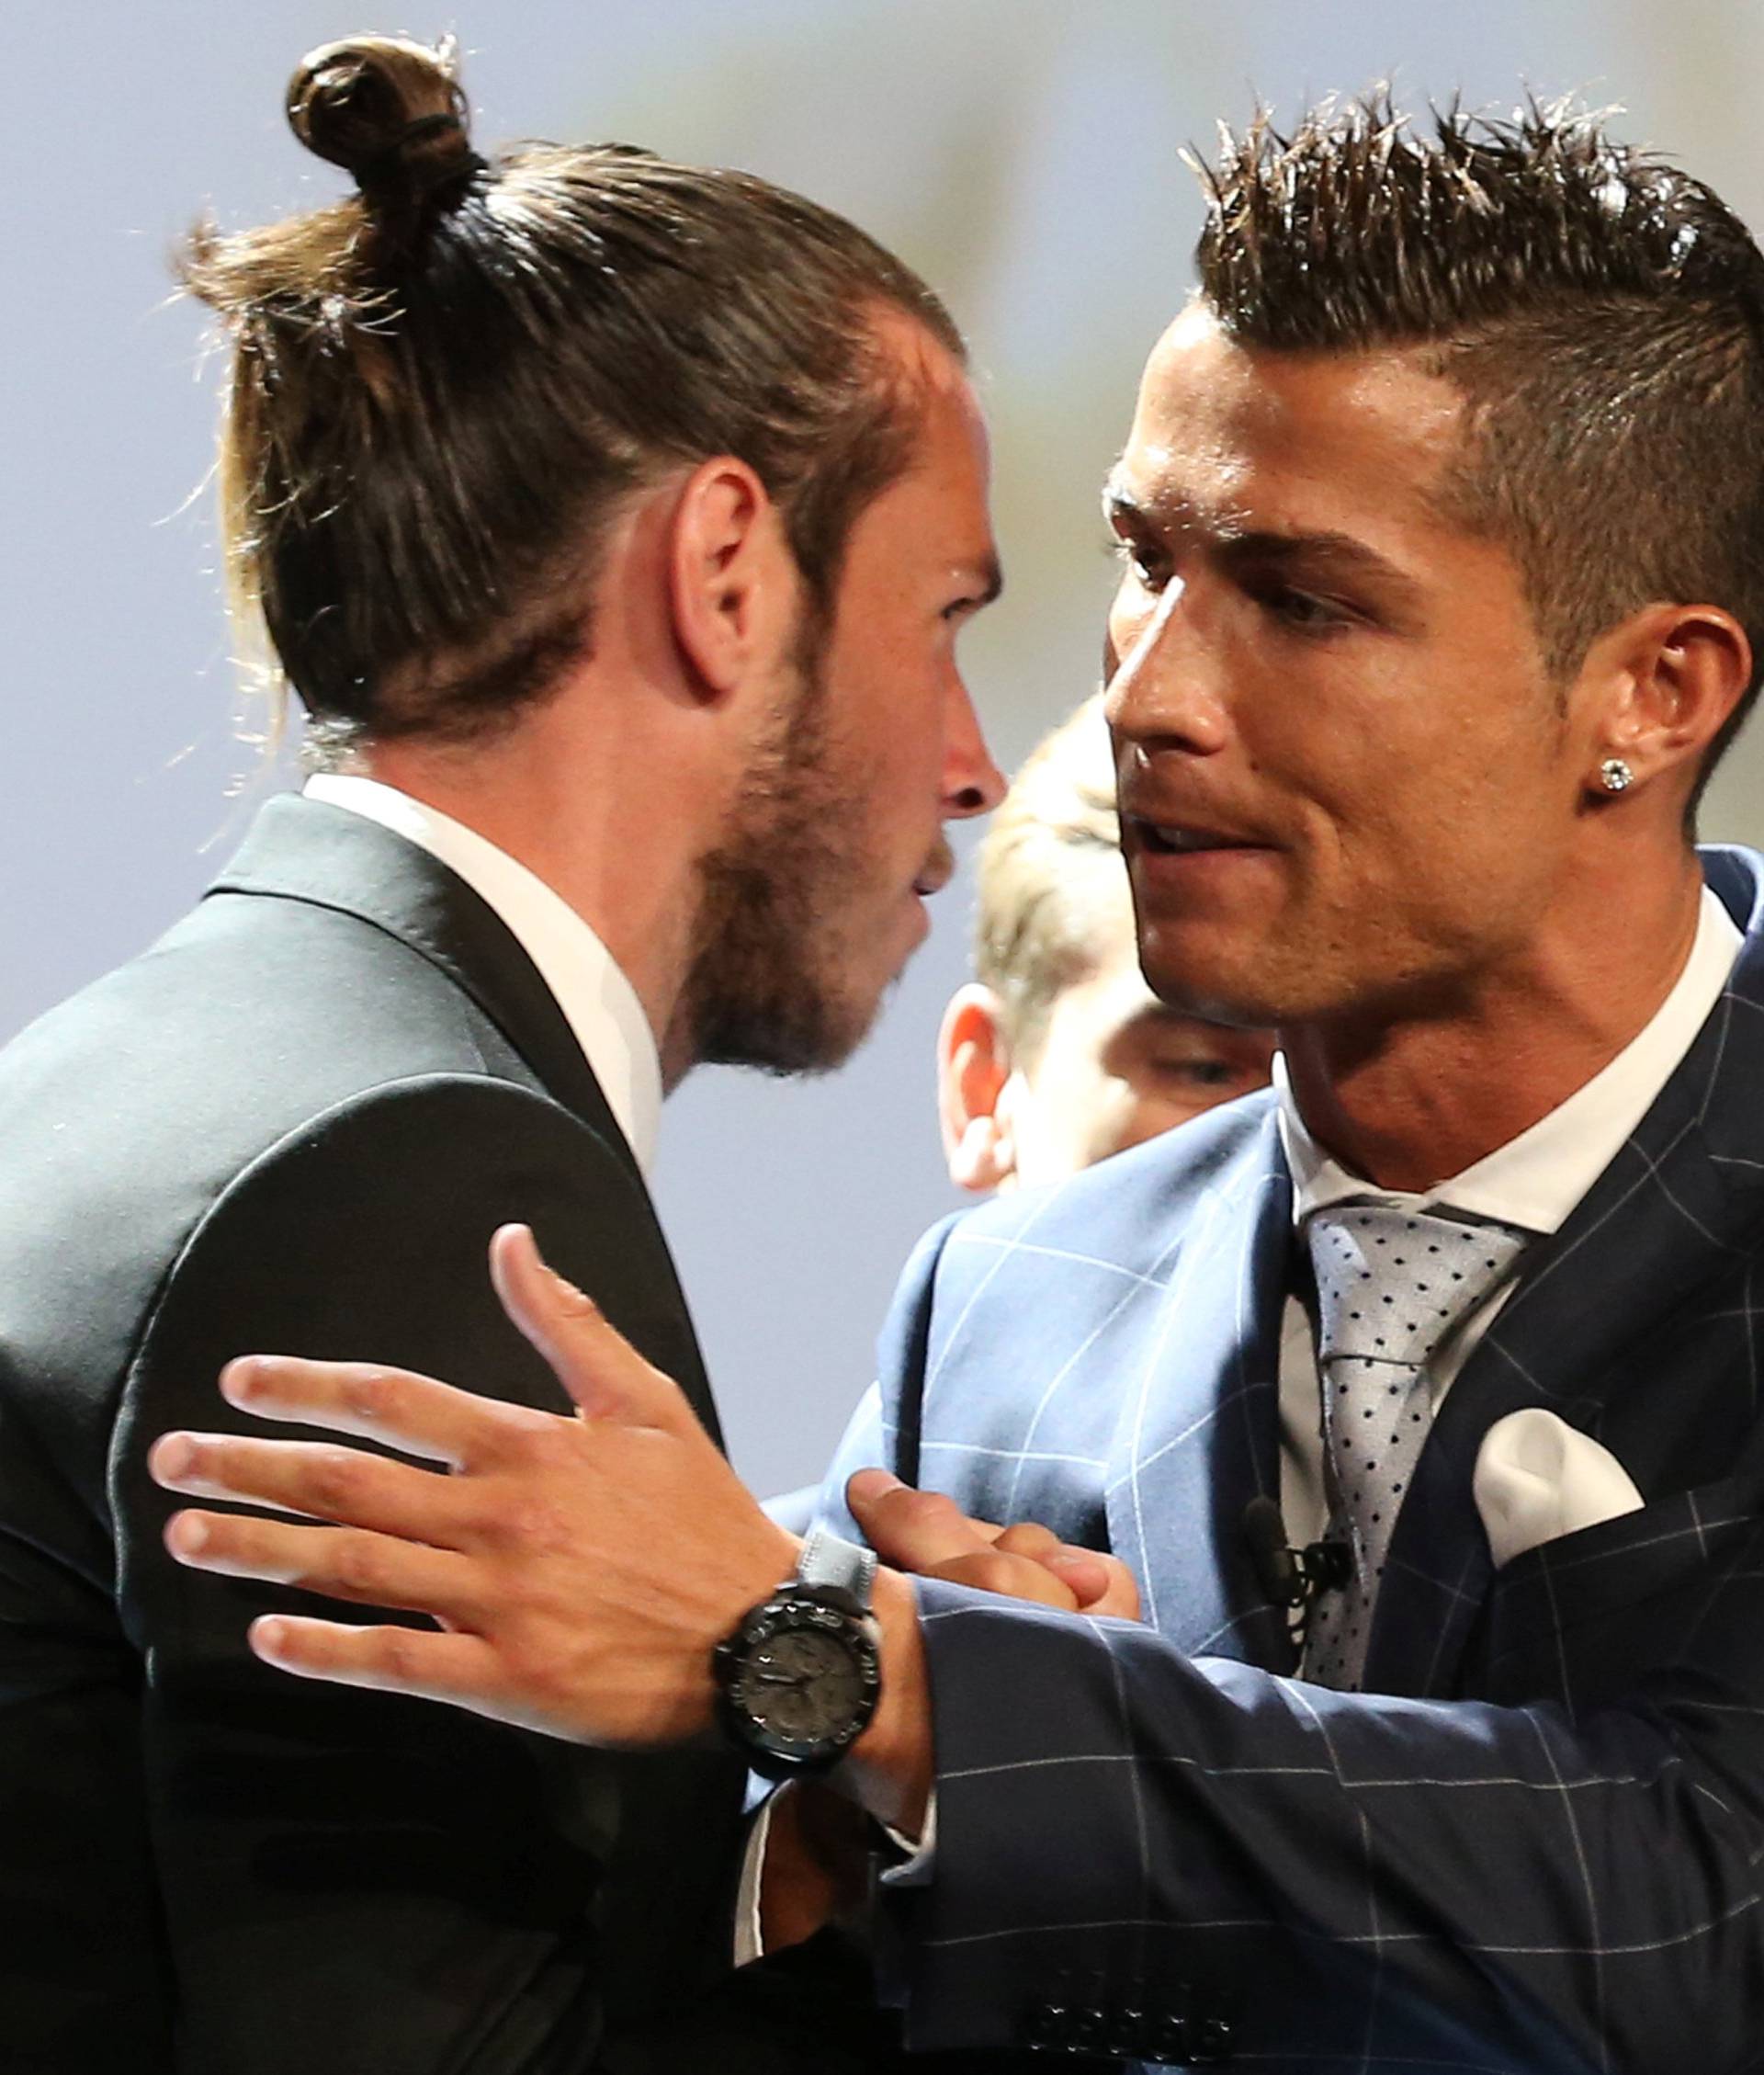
x=187, y=1535
x=267, y=1636
x=867, y=1484
x=238, y=1377
x=173, y=1456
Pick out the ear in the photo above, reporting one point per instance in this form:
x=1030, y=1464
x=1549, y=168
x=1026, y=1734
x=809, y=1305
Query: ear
x=973, y=1066
x=1674, y=675
x=732, y=579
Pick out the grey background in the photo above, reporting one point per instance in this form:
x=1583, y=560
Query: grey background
x=1021, y=152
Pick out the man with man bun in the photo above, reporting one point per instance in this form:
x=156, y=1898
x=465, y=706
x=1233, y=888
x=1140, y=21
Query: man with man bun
x=613, y=521
x=1442, y=522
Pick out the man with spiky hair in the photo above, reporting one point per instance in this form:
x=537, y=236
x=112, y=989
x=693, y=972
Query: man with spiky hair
x=1442, y=522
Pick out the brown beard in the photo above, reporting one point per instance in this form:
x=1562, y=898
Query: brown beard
x=765, y=984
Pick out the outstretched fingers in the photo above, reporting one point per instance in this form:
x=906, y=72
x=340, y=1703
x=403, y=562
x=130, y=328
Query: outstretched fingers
x=463, y=1670
x=603, y=1374
x=413, y=1413
x=344, y=1563
x=314, y=1479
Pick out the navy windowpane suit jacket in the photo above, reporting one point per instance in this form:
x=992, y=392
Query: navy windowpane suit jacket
x=1536, y=1842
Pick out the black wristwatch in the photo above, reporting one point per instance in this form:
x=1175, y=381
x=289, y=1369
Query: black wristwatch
x=797, y=1680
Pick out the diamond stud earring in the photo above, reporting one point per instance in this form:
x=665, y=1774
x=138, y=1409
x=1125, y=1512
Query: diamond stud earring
x=1615, y=775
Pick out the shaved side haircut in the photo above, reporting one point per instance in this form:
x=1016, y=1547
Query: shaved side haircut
x=1599, y=311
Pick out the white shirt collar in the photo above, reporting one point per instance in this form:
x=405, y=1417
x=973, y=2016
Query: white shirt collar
x=1535, y=1180
x=598, y=1002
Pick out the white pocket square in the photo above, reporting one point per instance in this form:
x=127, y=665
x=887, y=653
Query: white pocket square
x=1538, y=1478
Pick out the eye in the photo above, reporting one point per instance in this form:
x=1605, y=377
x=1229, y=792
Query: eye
x=1146, y=563
x=1303, y=611
x=1199, y=1072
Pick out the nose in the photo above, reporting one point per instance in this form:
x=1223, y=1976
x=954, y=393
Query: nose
x=973, y=784
x=1160, y=688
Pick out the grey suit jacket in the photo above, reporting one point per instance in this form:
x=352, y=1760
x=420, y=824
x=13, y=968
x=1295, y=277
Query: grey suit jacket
x=1536, y=1845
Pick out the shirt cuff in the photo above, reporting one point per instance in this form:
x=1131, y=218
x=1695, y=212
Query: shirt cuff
x=750, y=1940
x=913, y=1868
x=919, y=1860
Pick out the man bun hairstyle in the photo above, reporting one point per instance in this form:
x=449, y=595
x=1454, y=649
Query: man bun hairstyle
x=391, y=114
x=445, y=386
x=1601, y=313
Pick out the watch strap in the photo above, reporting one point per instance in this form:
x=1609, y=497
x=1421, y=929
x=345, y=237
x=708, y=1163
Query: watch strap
x=841, y=1570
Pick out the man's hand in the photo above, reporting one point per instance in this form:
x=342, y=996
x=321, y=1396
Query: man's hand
x=583, y=1569
x=927, y=1534
x=890, y=1766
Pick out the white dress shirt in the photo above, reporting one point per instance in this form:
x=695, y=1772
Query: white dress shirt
x=600, y=1005
x=1533, y=1181
x=598, y=1002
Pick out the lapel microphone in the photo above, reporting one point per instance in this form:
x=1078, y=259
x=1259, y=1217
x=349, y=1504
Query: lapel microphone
x=1291, y=1577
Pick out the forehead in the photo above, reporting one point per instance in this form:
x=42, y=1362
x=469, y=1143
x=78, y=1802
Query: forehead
x=928, y=376
x=954, y=455
x=1353, y=442
x=934, y=516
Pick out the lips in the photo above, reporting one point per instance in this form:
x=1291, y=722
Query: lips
x=1174, y=838
x=939, y=868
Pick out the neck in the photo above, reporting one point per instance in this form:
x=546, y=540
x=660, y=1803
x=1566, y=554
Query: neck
x=594, y=830
x=1408, y=1099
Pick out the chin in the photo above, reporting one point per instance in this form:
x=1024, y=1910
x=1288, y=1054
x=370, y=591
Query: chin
x=1240, y=1002
x=1246, y=980
x=811, y=1030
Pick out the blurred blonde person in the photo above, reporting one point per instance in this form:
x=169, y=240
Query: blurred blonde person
x=1057, y=1053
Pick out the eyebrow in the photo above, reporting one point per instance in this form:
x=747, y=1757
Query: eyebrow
x=1237, y=543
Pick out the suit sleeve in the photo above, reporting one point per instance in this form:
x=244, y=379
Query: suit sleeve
x=1186, y=1858
x=338, y=1866
x=884, y=1429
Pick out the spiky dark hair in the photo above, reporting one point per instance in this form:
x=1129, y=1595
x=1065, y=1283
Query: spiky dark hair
x=1601, y=310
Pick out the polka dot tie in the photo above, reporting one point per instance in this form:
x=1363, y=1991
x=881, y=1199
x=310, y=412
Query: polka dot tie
x=1391, y=1284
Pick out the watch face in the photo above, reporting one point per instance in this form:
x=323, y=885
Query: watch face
x=801, y=1682
x=801, y=1686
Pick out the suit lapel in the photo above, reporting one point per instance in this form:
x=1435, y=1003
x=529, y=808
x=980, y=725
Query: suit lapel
x=1199, y=1431
x=309, y=850
x=1674, y=1210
